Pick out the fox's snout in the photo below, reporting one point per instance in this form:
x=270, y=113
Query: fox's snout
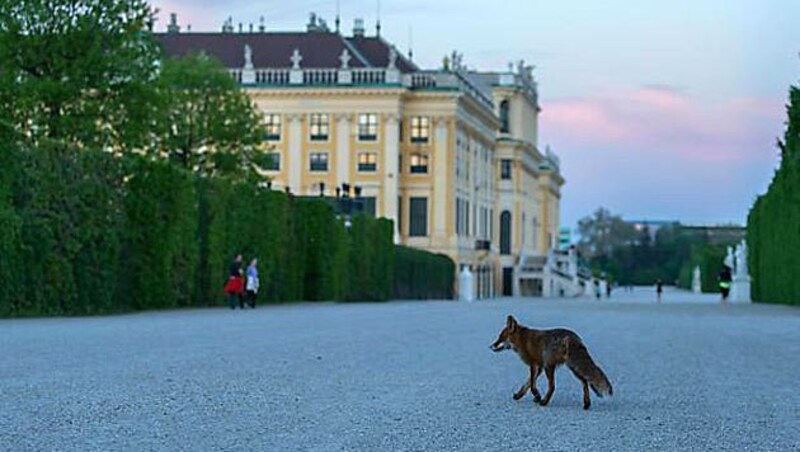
x=499, y=346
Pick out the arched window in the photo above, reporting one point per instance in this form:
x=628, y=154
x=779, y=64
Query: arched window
x=504, y=116
x=505, y=232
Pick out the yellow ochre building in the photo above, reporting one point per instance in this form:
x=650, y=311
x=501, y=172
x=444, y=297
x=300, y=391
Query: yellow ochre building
x=449, y=154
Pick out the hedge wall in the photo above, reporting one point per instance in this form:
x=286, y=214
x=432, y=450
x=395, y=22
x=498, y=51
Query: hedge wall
x=773, y=225
x=419, y=274
x=87, y=233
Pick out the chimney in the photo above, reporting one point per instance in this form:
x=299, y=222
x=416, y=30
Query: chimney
x=173, y=24
x=261, y=27
x=358, y=28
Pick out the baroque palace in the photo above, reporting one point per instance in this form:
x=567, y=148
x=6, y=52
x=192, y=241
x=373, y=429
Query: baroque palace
x=449, y=154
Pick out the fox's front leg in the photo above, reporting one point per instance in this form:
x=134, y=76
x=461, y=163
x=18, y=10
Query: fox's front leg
x=535, y=372
x=521, y=393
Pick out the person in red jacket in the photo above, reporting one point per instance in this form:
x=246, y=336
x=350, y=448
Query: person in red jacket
x=235, y=285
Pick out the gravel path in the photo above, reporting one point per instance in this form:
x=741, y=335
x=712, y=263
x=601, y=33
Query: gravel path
x=400, y=376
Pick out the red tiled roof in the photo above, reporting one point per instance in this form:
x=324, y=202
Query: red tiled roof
x=274, y=50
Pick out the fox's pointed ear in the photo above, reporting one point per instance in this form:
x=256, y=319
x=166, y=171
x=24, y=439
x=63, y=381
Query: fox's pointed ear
x=511, y=323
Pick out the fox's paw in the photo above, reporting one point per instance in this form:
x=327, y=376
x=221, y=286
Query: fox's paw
x=537, y=399
x=518, y=395
x=586, y=405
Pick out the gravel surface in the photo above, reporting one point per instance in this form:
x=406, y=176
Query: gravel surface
x=687, y=374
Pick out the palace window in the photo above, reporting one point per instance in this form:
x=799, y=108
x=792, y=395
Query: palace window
x=272, y=127
x=273, y=161
x=420, y=129
x=505, y=169
x=504, y=117
x=418, y=221
x=369, y=205
x=318, y=126
x=505, y=232
x=367, y=162
x=368, y=127
x=419, y=164
x=318, y=161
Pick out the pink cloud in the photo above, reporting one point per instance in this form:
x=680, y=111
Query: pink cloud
x=658, y=120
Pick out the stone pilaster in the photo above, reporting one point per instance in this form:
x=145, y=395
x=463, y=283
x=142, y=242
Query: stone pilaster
x=295, y=152
x=441, y=173
x=342, y=149
x=391, y=154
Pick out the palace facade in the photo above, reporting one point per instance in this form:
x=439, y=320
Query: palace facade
x=449, y=154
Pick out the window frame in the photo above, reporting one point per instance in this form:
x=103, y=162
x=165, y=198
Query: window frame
x=269, y=123
x=311, y=162
x=374, y=164
x=370, y=124
x=418, y=228
x=279, y=158
x=506, y=169
x=415, y=169
x=315, y=120
x=420, y=124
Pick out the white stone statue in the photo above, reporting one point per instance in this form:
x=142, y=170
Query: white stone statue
x=392, y=58
x=296, y=59
x=697, y=285
x=248, y=57
x=741, y=259
x=345, y=59
x=729, y=258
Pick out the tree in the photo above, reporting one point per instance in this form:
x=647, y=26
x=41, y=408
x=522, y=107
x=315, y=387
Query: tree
x=76, y=72
x=602, y=232
x=207, y=124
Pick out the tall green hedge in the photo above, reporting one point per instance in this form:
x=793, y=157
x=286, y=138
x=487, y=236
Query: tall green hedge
x=84, y=232
x=419, y=274
x=773, y=225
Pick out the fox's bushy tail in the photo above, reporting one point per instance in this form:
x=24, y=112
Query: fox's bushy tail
x=580, y=362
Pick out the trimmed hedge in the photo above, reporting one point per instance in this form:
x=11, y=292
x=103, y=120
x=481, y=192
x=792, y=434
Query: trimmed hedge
x=420, y=275
x=773, y=224
x=84, y=232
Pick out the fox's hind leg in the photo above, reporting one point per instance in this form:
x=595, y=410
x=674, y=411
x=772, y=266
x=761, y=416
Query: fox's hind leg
x=521, y=393
x=587, y=401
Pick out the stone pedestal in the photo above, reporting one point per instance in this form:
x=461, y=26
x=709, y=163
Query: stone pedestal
x=740, y=289
x=466, y=289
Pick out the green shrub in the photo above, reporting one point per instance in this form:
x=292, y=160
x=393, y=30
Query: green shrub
x=421, y=275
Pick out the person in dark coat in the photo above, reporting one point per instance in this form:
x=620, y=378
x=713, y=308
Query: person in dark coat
x=659, y=289
x=725, y=278
x=234, y=287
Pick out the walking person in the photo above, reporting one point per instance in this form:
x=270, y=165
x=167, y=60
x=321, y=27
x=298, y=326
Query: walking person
x=659, y=289
x=725, y=279
x=252, y=283
x=234, y=287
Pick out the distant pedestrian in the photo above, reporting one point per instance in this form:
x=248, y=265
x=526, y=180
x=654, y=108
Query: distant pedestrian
x=659, y=289
x=597, y=288
x=725, y=279
x=252, y=283
x=234, y=287
x=608, y=290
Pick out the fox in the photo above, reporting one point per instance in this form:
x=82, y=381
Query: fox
x=545, y=350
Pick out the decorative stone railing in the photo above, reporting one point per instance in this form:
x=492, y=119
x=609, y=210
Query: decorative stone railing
x=359, y=77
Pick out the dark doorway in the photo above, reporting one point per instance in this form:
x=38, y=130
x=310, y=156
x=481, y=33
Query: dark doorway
x=508, y=281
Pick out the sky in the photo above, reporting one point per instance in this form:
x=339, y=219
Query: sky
x=658, y=109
